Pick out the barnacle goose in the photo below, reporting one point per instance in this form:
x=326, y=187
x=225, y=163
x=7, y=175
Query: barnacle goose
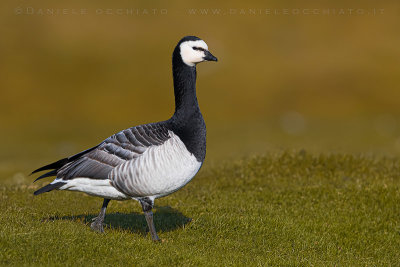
x=147, y=161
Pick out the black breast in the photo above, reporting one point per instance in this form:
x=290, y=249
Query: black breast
x=192, y=131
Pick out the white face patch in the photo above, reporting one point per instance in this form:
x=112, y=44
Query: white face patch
x=191, y=56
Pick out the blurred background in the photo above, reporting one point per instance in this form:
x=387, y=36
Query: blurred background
x=318, y=75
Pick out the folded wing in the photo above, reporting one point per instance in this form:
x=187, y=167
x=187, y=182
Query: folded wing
x=97, y=162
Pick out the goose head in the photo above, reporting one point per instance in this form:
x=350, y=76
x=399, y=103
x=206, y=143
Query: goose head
x=193, y=50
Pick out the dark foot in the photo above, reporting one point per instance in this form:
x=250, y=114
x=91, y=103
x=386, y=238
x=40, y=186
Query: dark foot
x=147, y=205
x=156, y=238
x=97, y=225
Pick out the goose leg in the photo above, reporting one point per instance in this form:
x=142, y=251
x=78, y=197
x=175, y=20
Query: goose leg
x=147, y=206
x=97, y=224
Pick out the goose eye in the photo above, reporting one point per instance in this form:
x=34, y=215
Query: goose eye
x=198, y=48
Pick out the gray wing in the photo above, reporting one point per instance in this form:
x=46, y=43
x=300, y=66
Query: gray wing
x=98, y=162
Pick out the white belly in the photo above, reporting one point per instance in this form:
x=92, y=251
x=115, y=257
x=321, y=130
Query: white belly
x=159, y=171
x=94, y=187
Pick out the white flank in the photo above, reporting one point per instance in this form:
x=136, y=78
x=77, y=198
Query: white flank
x=189, y=55
x=94, y=187
x=159, y=171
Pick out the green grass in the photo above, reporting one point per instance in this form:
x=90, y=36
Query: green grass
x=323, y=83
x=284, y=208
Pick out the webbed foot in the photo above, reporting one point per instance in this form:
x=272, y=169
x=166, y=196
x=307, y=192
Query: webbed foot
x=97, y=225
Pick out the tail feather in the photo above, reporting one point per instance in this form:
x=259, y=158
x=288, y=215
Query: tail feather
x=54, y=165
x=58, y=164
x=48, y=188
x=47, y=174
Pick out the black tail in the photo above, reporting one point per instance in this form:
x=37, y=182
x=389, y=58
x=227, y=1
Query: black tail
x=48, y=188
x=55, y=166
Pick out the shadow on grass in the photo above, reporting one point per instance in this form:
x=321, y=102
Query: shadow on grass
x=165, y=219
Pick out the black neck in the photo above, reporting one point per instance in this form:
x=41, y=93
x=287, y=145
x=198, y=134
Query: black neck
x=187, y=121
x=185, y=87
